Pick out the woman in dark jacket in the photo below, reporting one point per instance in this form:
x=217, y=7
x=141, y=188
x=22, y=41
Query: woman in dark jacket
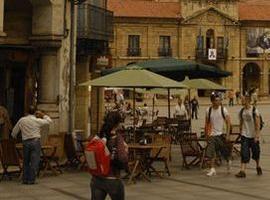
x=111, y=184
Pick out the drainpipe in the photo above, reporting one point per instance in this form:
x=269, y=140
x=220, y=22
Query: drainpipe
x=72, y=69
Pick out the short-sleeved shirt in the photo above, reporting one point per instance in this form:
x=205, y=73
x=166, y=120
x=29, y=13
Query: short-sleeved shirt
x=248, y=126
x=216, y=120
x=180, y=110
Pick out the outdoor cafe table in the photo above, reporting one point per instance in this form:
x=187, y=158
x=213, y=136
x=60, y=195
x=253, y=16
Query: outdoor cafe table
x=48, y=153
x=143, y=163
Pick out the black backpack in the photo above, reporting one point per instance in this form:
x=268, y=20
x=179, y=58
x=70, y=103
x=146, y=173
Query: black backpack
x=254, y=116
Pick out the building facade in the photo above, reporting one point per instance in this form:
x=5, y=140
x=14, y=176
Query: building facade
x=34, y=58
x=94, y=31
x=229, y=34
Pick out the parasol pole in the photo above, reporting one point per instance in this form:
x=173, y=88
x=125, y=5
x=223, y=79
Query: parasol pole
x=169, y=104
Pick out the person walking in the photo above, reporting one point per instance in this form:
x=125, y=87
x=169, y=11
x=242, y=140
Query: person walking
x=30, y=127
x=216, y=115
x=111, y=185
x=250, y=135
x=194, y=107
x=231, y=97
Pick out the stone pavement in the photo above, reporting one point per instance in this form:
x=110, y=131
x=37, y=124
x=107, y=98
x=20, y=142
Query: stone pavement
x=183, y=184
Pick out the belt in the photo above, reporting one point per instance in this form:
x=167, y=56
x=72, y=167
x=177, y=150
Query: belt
x=35, y=139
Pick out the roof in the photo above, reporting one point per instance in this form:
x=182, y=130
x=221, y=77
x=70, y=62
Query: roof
x=257, y=10
x=143, y=8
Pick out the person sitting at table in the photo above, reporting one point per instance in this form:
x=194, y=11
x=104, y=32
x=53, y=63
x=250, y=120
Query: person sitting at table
x=180, y=110
x=30, y=127
x=111, y=184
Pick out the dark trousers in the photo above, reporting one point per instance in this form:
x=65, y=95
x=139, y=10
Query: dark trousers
x=194, y=113
x=100, y=187
x=248, y=144
x=230, y=101
x=31, y=159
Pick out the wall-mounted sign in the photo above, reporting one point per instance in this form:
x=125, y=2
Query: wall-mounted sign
x=102, y=61
x=212, y=54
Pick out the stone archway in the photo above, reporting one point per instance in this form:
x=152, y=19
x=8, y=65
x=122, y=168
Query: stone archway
x=251, y=76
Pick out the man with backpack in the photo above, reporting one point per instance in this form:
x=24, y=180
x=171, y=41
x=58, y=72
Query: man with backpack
x=218, y=142
x=250, y=125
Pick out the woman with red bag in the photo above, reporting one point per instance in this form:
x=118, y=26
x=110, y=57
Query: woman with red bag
x=111, y=184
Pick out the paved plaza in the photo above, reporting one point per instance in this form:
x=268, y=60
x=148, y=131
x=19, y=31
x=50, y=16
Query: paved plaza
x=182, y=184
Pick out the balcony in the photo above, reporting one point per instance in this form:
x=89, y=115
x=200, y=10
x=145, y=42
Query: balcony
x=164, y=52
x=134, y=52
x=94, y=23
x=202, y=54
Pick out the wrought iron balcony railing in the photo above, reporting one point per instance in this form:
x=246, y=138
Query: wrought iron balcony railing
x=134, y=52
x=94, y=23
x=164, y=52
x=202, y=54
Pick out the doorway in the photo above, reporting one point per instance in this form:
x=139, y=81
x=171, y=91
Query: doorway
x=251, y=76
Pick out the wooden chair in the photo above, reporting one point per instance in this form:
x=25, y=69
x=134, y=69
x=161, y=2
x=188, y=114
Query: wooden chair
x=191, y=150
x=164, y=155
x=53, y=157
x=9, y=158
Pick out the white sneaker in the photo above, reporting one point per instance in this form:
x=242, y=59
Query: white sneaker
x=212, y=172
x=229, y=166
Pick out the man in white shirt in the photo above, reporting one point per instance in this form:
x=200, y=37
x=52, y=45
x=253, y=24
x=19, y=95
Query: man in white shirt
x=216, y=115
x=180, y=110
x=250, y=134
x=30, y=127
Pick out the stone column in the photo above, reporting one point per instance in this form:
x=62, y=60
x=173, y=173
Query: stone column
x=97, y=107
x=48, y=86
x=82, y=95
x=265, y=79
x=2, y=9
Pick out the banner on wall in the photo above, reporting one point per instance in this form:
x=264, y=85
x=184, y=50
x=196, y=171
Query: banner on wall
x=258, y=40
x=212, y=54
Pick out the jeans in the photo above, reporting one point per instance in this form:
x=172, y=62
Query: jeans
x=100, y=187
x=31, y=159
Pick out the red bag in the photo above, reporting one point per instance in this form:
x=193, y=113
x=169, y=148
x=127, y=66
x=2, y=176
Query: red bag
x=98, y=157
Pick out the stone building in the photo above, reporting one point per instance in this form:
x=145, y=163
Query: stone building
x=229, y=34
x=34, y=58
x=95, y=30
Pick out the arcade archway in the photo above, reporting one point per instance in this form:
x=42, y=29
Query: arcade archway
x=251, y=76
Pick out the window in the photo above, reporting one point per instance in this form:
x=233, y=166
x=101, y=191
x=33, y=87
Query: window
x=220, y=43
x=134, y=45
x=164, y=46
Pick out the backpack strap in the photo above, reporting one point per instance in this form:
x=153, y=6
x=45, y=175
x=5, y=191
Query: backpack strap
x=222, y=113
x=254, y=113
x=209, y=114
x=241, y=113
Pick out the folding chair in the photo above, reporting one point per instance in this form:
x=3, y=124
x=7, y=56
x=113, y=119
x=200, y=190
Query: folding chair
x=164, y=155
x=73, y=159
x=54, y=157
x=9, y=158
x=191, y=150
